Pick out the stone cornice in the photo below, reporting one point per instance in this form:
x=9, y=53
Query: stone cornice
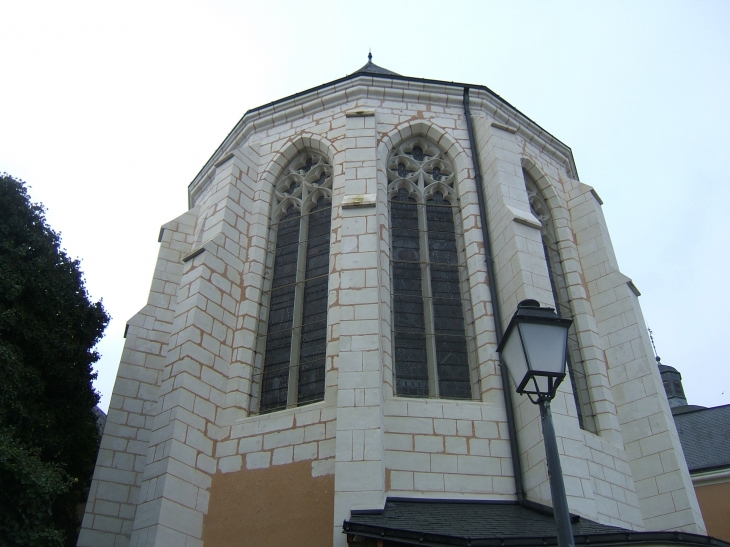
x=360, y=86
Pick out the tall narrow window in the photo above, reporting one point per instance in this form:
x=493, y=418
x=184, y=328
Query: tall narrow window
x=559, y=284
x=429, y=334
x=296, y=337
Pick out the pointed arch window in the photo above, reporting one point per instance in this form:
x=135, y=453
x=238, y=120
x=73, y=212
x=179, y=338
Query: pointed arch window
x=296, y=336
x=559, y=284
x=430, y=344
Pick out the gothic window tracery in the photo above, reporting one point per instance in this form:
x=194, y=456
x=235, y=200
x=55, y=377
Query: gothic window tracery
x=558, y=282
x=429, y=330
x=296, y=337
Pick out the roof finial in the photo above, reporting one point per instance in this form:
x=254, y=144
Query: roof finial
x=651, y=337
x=370, y=55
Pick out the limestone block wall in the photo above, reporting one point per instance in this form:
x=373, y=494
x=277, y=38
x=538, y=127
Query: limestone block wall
x=112, y=500
x=359, y=465
x=652, y=445
x=292, y=435
x=447, y=449
x=521, y=272
x=193, y=391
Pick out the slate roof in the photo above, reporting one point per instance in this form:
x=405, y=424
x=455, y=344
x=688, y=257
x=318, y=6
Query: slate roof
x=372, y=68
x=490, y=523
x=705, y=437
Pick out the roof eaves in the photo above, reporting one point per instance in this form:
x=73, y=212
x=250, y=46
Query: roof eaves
x=605, y=539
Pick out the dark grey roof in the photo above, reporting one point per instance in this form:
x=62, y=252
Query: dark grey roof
x=705, y=437
x=489, y=523
x=681, y=409
x=667, y=368
x=372, y=68
x=100, y=419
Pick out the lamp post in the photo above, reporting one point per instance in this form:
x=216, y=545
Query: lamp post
x=534, y=350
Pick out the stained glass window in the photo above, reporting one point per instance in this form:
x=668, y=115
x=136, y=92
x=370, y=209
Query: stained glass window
x=430, y=344
x=296, y=337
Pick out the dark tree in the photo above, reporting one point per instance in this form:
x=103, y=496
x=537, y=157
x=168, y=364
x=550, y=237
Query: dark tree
x=48, y=329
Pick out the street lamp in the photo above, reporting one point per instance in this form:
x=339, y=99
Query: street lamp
x=533, y=348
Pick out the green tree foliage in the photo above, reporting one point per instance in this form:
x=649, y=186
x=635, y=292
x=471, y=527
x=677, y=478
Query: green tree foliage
x=48, y=328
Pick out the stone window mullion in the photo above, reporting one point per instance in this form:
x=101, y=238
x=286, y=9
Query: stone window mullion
x=433, y=384
x=292, y=398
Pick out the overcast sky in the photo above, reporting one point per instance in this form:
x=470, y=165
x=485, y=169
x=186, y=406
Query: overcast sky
x=109, y=109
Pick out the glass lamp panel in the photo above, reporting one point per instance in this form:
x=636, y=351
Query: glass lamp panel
x=542, y=384
x=514, y=357
x=545, y=346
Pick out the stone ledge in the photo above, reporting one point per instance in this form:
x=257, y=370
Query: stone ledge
x=359, y=200
x=361, y=113
x=503, y=127
x=524, y=217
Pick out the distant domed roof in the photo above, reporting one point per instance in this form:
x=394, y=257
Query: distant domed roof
x=667, y=368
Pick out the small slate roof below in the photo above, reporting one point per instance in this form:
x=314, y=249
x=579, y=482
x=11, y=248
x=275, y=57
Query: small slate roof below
x=705, y=437
x=406, y=521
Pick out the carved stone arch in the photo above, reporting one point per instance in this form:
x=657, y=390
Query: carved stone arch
x=551, y=198
x=547, y=204
x=320, y=144
x=448, y=193
x=281, y=161
x=313, y=198
x=449, y=146
x=306, y=172
x=281, y=209
x=412, y=189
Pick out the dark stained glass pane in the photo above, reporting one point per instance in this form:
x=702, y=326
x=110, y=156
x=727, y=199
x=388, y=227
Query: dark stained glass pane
x=411, y=370
x=287, y=249
x=411, y=367
x=314, y=319
x=275, y=379
x=451, y=350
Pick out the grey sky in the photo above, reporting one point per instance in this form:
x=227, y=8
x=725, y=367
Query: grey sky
x=109, y=110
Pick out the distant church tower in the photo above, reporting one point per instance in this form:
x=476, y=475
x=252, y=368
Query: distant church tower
x=672, y=380
x=319, y=343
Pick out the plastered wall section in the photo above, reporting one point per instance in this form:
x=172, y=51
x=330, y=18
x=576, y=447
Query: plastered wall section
x=663, y=485
x=714, y=499
x=112, y=500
